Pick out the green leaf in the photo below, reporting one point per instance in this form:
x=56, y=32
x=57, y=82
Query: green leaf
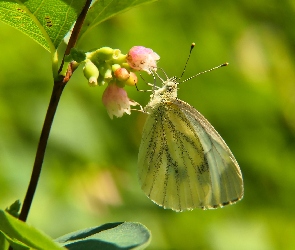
x=24, y=236
x=3, y=242
x=111, y=236
x=103, y=10
x=45, y=21
x=16, y=245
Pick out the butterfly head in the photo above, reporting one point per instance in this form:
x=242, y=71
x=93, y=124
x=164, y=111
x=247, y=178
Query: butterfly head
x=169, y=89
x=166, y=93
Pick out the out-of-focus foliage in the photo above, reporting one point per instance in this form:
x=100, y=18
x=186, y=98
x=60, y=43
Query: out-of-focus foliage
x=89, y=174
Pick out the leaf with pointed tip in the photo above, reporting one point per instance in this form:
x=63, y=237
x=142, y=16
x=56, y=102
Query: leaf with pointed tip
x=46, y=22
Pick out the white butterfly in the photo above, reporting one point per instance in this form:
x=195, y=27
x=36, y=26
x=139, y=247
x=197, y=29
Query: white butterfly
x=183, y=163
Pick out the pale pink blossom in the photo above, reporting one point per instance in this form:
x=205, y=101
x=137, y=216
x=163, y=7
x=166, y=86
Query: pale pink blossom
x=141, y=58
x=116, y=101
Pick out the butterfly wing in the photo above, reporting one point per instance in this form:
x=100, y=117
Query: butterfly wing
x=226, y=183
x=184, y=163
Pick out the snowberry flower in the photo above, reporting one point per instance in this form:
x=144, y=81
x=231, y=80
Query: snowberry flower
x=116, y=101
x=141, y=58
x=115, y=69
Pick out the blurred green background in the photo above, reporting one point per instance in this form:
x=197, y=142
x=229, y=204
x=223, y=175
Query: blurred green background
x=89, y=176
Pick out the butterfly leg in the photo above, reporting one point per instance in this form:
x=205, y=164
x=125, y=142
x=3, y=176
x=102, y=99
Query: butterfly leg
x=147, y=83
x=140, y=108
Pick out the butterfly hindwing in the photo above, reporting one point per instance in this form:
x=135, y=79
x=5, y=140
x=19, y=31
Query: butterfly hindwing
x=226, y=177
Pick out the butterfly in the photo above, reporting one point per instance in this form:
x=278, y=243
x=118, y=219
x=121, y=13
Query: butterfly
x=183, y=163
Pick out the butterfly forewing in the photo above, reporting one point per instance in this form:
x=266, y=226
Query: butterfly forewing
x=184, y=163
x=164, y=155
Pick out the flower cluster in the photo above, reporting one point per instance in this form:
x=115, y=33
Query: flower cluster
x=109, y=66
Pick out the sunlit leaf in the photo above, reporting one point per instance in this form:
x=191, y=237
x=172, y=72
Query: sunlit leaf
x=24, y=235
x=14, y=243
x=46, y=22
x=3, y=241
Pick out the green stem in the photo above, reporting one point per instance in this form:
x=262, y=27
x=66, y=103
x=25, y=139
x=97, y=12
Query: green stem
x=54, y=100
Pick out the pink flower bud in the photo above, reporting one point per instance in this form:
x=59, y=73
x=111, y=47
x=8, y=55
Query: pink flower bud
x=141, y=58
x=122, y=74
x=116, y=101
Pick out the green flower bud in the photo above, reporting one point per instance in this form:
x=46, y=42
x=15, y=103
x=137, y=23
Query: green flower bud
x=105, y=70
x=118, y=57
x=102, y=54
x=115, y=67
x=101, y=80
x=105, y=53
x=91, y=73
x=126, y=66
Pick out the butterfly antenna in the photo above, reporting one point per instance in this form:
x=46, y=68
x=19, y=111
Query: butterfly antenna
x=189, y=55
x=206, y=71
x=163, y=73
x=154, y=73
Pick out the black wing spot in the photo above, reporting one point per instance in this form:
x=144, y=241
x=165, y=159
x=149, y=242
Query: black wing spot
x=203, y=168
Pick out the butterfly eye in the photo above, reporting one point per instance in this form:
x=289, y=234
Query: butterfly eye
x=169, y=87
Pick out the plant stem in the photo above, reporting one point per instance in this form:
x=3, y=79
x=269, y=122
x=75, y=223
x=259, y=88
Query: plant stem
x=76, y=32
x=54, y=100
